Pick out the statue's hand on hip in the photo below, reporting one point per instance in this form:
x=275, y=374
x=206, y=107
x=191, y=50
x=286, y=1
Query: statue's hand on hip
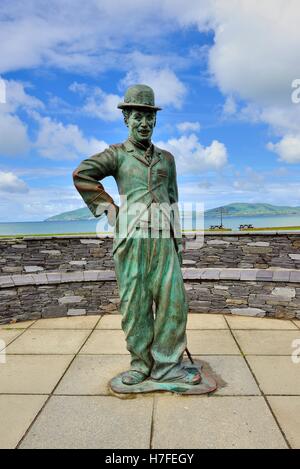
x=112, y=214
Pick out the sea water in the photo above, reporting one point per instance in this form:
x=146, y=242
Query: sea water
x=90, y=226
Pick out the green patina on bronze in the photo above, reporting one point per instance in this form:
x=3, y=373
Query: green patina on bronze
x=207, y=385
x=147, y=269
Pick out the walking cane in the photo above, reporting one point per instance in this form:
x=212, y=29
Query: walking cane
x=190, y=356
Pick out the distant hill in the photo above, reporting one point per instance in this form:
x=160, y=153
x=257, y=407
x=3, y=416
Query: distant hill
x=75, y=215
x=242, y=209
x=233, y=210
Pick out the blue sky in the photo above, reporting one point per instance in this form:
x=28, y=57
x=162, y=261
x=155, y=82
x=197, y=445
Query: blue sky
x=222, y=71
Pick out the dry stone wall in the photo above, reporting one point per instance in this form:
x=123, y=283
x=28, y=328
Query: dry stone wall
x=245, y=274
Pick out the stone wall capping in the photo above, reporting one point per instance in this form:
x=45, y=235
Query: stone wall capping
x=265, y=275
x=260, y=275
x=230, y=274
x=23, y=280
x=54, y=277
x=210, y=274
x=245, y=233
x=96, y=291
x=40, y=279
x=248, y=273
x=192, y=273
x=106, y=275
x=75, y=236
x=6, y=281
x=281, y=275
x=295, y=276
x=20, y=238
x=76, y=276
x=218, y=242
x=90, y=275
x=91, y=241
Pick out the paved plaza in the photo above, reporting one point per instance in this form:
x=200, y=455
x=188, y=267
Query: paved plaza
x=54, y=393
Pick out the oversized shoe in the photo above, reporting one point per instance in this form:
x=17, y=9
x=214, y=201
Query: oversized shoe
x=189, y=375
x=192, y=376
x=133, y=377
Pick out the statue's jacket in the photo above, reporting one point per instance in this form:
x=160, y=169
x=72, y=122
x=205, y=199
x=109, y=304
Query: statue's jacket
x=142, y=186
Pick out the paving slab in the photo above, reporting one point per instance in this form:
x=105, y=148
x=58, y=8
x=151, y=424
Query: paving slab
x=90, y=374
x=206, y=321
x=195, y=321
x=32, y=374
x=17, y=414
x=48, y=342
x=232, y=375
x=107, y=342
x=215, y=423
x=17, y=325
x=7, y=336
x=239, y=322
x=276, y=375
x=83, y=422
x=266, y=342
x=287, y=412
x=86, y=322
x=214, y=342
x=110, y=321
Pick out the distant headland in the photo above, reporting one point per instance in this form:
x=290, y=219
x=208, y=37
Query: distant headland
x=238, y=209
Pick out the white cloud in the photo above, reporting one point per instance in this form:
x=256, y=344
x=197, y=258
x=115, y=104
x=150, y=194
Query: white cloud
x=255, y=48
x=2, y=91
x=39, y=203
x=169, y=90
x=184, y=127
x=254, y=56
x=67, y=35
x=255, y=59
x=230, y=106
x=9, y=182
x=14, y=139
x=57, y=141
x=54, y=139
x=17, y=98
x=80, y=88
x=97, y=102
x=192, y=157
x=288, y=148
x=13, y=136
x=246, y=185
x=43, y=172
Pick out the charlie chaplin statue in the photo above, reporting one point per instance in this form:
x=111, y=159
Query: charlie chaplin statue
x=147, y=262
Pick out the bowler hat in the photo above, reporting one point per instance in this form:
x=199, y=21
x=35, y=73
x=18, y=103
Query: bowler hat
x=139, y=96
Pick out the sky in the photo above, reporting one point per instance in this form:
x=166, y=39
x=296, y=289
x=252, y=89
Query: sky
x=225, y=72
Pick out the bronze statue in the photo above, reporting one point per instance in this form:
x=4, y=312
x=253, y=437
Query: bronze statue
x=147, y=262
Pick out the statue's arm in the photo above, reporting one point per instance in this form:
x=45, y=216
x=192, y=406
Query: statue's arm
x=87, y=177
x=173, y=197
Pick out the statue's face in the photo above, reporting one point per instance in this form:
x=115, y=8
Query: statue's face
x=141, y=124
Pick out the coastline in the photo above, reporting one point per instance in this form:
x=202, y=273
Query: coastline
x=274, y=229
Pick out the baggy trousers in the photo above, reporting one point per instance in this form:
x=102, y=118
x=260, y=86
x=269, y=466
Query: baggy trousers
x=147, y=272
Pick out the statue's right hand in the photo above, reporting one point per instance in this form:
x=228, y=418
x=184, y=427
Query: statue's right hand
x=112, y=214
